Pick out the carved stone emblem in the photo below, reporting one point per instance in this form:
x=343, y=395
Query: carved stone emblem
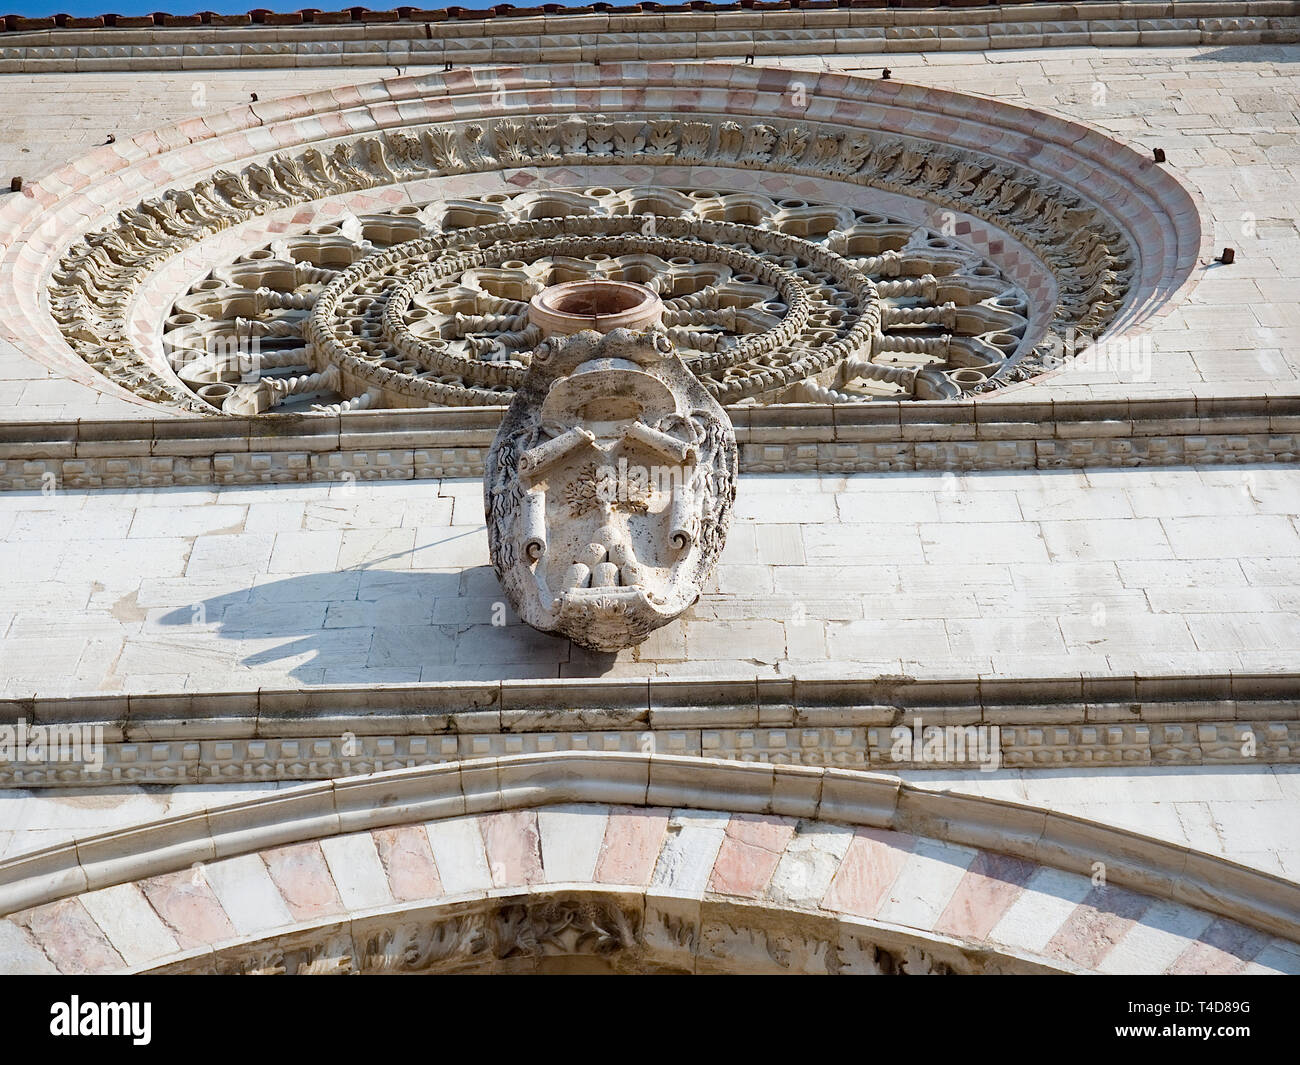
x=608, y=488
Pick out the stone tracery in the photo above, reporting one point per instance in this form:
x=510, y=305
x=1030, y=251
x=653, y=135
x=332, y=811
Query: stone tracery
x=811, y=302
x=1091, y=257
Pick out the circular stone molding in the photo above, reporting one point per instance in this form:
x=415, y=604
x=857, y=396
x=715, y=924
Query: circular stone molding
x=814, y=302
x=780, y=354
x=1084, y=232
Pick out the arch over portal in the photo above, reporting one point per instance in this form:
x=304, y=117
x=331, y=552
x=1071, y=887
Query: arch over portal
x=638, y=863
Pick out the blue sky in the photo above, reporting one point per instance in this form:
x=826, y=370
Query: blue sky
x=41, y=8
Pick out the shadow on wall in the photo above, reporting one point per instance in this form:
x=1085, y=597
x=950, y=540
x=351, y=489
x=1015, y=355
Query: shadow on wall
x=1250, y=53
x=371, y=624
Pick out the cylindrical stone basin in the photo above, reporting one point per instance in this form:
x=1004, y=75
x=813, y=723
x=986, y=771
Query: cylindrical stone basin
x=604, y=306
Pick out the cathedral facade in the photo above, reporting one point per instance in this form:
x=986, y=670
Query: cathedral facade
x=903, y=578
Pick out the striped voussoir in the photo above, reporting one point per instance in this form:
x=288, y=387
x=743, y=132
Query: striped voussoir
x=713, y=880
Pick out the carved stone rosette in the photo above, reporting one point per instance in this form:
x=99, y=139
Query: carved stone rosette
x=952, y=326
x=609, y=488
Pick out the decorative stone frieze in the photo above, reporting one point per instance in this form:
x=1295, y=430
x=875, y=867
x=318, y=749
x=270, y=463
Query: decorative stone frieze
x=855, y=730
x=323, y=756
x=610, y=931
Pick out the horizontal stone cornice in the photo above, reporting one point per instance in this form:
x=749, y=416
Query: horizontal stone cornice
x=323, y=733
x=389, y=445
x=378, y=38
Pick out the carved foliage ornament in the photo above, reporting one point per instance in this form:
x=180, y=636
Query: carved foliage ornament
x=523, y=934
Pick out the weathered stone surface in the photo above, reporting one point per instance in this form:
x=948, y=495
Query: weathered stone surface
x=609, y=488
x=1183, y=574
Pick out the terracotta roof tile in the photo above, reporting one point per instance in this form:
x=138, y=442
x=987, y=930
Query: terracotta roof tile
x=309, y=16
